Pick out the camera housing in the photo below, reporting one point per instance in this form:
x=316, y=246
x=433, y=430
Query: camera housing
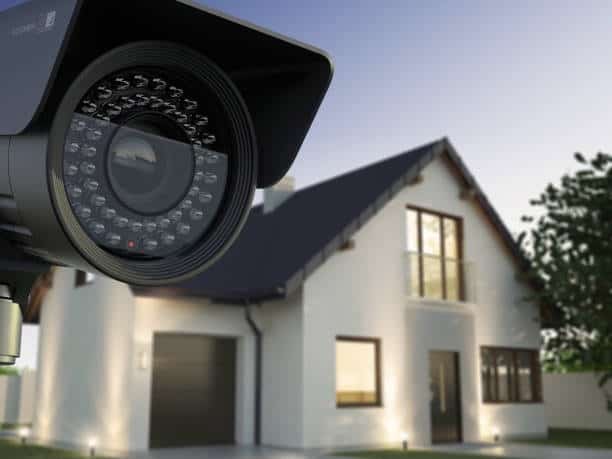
x=132, y=137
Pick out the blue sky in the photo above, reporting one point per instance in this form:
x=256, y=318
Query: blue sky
x=517, y=86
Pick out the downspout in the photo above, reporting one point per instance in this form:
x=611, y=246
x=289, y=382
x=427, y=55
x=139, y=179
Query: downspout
x=258, y=367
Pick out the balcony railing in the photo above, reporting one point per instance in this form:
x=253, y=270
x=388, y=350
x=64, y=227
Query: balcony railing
x=432, y=277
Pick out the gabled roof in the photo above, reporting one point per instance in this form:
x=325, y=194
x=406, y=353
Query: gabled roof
x=278, y=250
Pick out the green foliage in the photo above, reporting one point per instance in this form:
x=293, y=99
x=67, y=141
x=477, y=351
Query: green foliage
x=598, y=439
x=12, y=426
x=14, y=450
x=570, y=249
x=551, y=365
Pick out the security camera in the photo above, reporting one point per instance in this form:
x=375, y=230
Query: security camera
x=134, y=133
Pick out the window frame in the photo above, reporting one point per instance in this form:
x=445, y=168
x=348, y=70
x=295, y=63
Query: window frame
x=377, y=342
x=514, y=396
x=443, y=259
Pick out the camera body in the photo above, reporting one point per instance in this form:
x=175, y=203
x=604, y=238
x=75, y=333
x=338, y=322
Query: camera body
x=134, y=133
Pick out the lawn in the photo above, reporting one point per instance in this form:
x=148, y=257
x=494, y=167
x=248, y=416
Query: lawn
x=576, y=438
x=13, y=426
x=399, y=454
x=14, y=450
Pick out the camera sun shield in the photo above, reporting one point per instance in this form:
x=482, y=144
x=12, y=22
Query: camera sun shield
x=139, y=159
x=46, y=44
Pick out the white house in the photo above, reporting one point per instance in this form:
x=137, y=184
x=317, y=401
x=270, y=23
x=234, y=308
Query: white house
x=384, y=304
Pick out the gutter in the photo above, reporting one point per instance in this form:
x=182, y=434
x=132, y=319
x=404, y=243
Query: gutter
x=257, y=332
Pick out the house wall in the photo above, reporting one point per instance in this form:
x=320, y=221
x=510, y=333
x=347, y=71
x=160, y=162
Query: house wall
x=96, y=353
x=281, y=324
x=575, y=401
x=95, y=339
x=362, y=292
x=197, y=316
x=10, y=394
x=27, y=400
x=17, y=397
x=84, y=364
x=283, y=375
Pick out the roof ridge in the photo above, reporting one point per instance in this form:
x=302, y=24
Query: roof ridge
x=289, y=264
x=429, y=145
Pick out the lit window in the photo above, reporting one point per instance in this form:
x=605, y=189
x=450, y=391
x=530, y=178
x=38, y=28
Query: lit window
x=510, y=375
x=434, y=250
x=358, y=372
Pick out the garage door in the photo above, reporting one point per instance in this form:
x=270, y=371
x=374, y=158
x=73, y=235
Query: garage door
x=194, y=391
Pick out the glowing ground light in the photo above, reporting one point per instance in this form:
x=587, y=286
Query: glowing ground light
x=24, y=434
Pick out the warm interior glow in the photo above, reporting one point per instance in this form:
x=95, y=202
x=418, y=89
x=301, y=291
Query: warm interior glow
x=356, y=372
x=433, y=246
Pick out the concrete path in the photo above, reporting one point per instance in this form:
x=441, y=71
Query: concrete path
x=511, y=451
x=225, y=452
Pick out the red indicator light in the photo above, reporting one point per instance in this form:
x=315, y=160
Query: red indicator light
x=131, y=244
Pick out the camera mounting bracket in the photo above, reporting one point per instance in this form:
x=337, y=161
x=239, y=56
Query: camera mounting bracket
x=11, y=321
x=18, y=273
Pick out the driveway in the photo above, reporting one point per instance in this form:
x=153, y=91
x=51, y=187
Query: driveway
x=237, y=452
x=225, y=452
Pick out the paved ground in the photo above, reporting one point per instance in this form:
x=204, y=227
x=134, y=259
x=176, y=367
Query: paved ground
x=225, y=452
x=513, y=451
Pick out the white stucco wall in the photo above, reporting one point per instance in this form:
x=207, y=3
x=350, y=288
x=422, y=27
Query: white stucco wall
x=197, y=316
x=94, y=339
x=575, y=401
x=10, y=394
x=17, y=398
x=283, y=375
x=281, y=323
x=27, y=397
x=362, y=292
x=84, y=364
x=440, y=329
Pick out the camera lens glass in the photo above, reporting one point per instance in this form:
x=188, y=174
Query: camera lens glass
x=149, y=167
x=145, y=167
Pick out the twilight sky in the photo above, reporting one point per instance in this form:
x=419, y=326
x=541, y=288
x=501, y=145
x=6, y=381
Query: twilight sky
x=517, y=86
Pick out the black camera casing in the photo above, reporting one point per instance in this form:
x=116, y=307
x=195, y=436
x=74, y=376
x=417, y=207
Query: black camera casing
x=46, y=44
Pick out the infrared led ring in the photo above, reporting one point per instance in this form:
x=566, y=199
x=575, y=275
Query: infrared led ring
x=144, y=170
x=155, y=165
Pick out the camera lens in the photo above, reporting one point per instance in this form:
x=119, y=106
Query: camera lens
x=150, y=167
x=152, y=164
x=138, y=145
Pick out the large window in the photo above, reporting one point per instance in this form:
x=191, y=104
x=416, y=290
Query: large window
x=510, y=375
x=358, y=372
x=434, y=251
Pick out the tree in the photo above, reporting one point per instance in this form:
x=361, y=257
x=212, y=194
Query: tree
x=569, y=246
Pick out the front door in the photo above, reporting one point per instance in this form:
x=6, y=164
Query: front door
x=445, y=397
